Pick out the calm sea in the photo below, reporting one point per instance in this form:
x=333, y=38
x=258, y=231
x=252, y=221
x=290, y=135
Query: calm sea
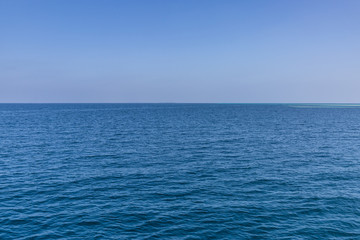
x=179, y=171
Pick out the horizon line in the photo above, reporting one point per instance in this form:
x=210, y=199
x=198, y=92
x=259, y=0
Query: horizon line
x=179, y=102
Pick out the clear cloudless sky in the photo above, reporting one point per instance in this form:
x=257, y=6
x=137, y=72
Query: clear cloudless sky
x=235, y=51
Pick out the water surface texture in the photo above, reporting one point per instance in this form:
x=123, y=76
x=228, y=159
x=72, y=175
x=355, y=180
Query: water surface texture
x=179, y=171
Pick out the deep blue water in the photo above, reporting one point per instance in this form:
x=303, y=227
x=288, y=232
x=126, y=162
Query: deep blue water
x=179, y=171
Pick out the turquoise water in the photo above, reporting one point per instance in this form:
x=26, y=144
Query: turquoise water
x=179, y=171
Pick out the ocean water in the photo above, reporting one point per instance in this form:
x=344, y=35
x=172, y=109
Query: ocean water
x=179, y=171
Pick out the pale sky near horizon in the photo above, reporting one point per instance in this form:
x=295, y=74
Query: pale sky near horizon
x=180, y=51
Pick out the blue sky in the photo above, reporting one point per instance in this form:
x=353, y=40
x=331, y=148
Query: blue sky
x=179, y=51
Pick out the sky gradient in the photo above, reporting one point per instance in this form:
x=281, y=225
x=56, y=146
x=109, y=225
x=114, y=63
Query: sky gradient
x=180, y=51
